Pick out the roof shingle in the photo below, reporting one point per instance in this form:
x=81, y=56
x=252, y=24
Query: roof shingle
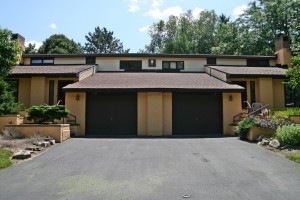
x=49, y=69
x=254, y=71
x=192, y=81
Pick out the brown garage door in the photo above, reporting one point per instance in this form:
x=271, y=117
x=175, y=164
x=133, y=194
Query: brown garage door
x=197, y=114
x=111, y=114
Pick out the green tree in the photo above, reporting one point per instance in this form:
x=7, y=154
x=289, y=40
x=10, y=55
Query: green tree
x=263, y=21
x=226, y=37
x=183, y=34
x=294, y=72
x=59, y=44
x=30, y=49
x=103, y=41
x=7, y=100
x=9, y=50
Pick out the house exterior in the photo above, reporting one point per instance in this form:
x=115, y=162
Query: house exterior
x=153, y=94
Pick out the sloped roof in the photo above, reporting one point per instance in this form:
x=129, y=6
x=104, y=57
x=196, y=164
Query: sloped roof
x=250, y=71
x=49, y=70
x=151, y=81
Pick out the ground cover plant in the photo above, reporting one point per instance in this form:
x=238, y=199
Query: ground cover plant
x=287, y=112
x=294, y=157
x=5, y=160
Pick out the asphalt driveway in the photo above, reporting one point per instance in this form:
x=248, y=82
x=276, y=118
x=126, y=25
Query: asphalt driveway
x=201, y=168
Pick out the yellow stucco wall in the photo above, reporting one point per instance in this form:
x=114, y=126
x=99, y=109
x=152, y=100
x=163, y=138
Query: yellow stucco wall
x=24, y=92
x=230, y=109
x=35, y=90
x=248, y=80
x=60, y=132
x=266, y=92
x=167, y=113
x=37, y=94
x=77, y=108
x=278, y=92
x=154, y=113
x=142, y=114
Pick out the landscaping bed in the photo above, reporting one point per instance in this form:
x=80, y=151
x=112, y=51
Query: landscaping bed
x=14, y=143
x=290, y=152
x=278, y=132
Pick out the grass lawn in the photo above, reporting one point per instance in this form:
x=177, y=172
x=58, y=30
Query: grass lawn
x=294, y=157
x=5, y=160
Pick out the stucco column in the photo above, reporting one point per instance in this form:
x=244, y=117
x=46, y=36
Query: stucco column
x=154, y=113
x=37, y=91
x=266, y=91
x=76, y=106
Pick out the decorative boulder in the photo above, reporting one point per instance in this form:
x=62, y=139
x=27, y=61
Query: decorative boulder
x=274, y=143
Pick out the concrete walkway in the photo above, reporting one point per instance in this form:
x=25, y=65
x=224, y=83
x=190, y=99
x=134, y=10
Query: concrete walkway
x=125, y=169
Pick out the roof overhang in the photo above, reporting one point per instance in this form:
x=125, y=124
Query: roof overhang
x=152, y=82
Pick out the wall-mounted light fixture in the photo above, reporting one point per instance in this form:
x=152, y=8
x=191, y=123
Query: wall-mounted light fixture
x=152, y=63
x=230, y=98
x=77, y=97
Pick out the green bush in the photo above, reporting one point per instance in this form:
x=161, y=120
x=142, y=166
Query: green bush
x=287, y=112
x=7, y=101
x=43, y=113
x=244, y=126
x=288, y=135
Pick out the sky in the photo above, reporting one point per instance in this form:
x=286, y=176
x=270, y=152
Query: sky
x=37, y=20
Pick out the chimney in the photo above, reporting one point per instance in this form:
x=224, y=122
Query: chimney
x=283, y=52
x=20, y=40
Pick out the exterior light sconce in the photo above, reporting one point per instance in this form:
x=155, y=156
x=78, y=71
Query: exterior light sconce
x=77, y=97
x=152, y=63
x=230, y=97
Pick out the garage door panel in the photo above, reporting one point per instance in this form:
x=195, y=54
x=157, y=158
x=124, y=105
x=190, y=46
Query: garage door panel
x=197, y=114
x=112, y=114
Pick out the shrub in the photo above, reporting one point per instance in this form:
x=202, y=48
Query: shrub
x=270, y=122
x=288, y=135
x=43, y=113
x=244, y=126
x=7, y=101
x=11, y=134
x=287, y=112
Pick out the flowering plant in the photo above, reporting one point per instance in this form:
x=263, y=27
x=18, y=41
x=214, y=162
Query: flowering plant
x=271, y=122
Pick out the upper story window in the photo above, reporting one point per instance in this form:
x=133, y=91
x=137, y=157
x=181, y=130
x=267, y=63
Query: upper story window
x=173, y=65
x=131, y=65
x=258, y=62
x=211, y=61
x=42, y=61
x=90, y=60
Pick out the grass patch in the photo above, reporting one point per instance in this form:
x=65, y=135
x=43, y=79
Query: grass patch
x=294, y=157
x=5, y=160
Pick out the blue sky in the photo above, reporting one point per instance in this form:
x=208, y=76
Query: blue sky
x=128, y=19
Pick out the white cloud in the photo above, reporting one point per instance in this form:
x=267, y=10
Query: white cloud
x=134, y=5
x=143, y=29
x=157, y=3
x=239, y=10
x=133, y=8
x=158, y=14
x=52, y=26
x=196, y=12
x=37, y=44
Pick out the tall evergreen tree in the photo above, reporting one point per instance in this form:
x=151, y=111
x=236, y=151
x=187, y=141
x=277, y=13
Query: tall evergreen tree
x=103, y=41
